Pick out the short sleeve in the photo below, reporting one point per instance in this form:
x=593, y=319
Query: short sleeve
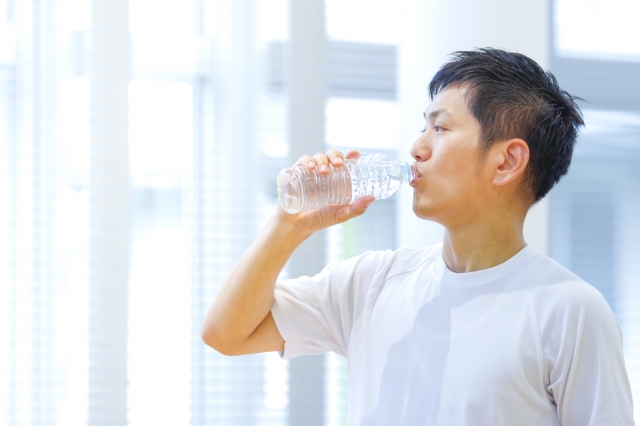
x=316, y=314
x=301, y=317
x=585, y=364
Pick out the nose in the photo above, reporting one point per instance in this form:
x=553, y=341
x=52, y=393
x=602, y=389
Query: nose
x=420, y=150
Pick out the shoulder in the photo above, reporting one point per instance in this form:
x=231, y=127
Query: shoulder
x=564, y=301
x=372, y=268
x=377, y=266
x=558, y=287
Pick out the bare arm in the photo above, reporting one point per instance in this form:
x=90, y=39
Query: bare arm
x=239, y=320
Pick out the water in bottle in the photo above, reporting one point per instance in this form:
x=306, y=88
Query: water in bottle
x=301, y=189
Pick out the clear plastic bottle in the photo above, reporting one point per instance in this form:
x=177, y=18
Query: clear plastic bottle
x=301, y=189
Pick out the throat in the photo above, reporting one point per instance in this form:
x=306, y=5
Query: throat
x=468, y=252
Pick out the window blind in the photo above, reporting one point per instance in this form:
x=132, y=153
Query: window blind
x=594, y=224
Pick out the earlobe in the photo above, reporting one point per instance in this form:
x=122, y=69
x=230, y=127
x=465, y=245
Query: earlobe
x=514, y=157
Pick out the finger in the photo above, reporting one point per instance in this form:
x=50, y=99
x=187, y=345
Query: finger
x=306, y=161
x=352, y=154
x=355, y=209
x=335, y=157
x=323, y=162
x=363, y=202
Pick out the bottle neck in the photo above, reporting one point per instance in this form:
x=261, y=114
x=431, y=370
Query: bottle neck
x=408, y=172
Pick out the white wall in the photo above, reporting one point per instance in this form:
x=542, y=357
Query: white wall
x=435, y=28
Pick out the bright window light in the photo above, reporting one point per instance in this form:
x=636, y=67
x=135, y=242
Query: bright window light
x=604, y=29
x=7, y=42
x=276, y=376
x=363, y=123
x=366, y=21
x=164, y=41
x=160, y=132
x=160, y=139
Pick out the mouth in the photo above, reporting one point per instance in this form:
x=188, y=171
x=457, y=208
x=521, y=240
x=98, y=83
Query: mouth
x=416, y=176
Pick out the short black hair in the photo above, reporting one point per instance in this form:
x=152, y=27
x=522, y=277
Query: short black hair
x=513, y=97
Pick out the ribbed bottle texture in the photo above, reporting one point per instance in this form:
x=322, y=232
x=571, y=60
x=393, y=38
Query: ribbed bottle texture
x=301, y=189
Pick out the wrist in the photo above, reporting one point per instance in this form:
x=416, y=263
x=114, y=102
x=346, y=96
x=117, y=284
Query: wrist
x=287, y=230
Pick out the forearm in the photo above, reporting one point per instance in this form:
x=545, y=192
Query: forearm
x=238, y=320
x=246, y=295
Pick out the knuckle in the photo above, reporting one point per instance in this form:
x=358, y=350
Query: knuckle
x=304, y=161
x=321, y=158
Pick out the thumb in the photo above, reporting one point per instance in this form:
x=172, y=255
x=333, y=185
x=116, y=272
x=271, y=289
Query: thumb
x=364, y=202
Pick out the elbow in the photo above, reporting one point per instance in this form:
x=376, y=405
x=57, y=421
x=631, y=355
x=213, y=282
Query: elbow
x=214, y=341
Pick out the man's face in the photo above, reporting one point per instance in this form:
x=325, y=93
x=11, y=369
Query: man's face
x=453, y=181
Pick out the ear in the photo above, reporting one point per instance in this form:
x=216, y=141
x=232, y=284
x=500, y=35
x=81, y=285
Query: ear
x=512, y=157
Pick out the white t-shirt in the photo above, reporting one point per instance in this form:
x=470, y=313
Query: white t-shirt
x=523, y=343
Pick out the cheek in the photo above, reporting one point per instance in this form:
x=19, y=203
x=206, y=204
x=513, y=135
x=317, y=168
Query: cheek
x=452, y=163
x=455, y=170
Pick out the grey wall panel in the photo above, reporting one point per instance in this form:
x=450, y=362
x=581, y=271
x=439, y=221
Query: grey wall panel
x=354, y=70
x=306, y=90
x=602, y=84
x=110, y=214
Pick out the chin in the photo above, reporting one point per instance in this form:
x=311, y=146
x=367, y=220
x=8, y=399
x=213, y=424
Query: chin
x=430, y=211
x=423, y=212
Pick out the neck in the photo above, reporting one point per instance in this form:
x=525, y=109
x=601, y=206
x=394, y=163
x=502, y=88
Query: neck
x=483, y=243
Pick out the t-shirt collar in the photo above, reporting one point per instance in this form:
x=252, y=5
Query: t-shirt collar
x=468, y=279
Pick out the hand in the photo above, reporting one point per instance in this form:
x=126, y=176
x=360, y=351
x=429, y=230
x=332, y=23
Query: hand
x=311, y=221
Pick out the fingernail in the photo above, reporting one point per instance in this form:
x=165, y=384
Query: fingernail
x=312, y=164
x=324, y=168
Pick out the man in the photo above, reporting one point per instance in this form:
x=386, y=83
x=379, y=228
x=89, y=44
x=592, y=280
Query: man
x=478, y=330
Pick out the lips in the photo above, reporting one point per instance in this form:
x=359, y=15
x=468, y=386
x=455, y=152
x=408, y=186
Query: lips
x=416, y=176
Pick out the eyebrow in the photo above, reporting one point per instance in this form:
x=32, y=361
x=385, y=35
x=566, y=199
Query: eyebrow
x=436, y=112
